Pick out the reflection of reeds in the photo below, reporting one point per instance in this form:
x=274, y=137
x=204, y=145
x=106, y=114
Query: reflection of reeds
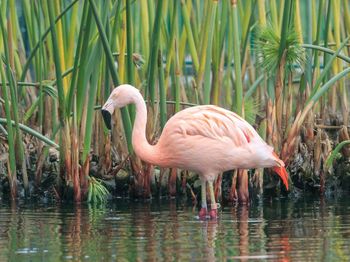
x=193, y=52
x=166, y=231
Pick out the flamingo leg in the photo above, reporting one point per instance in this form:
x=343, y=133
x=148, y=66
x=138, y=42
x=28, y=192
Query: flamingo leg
x=213, y=211
x=203, y=211
x=243, y=193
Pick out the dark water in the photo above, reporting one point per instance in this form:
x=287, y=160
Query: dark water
x=304, y=230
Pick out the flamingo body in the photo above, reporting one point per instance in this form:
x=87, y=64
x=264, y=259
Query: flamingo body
x=205, y=139
x=209, y=139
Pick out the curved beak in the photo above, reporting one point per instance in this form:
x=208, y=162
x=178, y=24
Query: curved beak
x=282, y=172
x=107, y=118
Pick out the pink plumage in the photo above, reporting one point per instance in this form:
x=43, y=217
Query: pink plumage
x=205, y=139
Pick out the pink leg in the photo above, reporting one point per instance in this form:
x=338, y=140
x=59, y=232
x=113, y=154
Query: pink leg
x=213, y=213
x=243, y=193
x=233, y=192
x=203, y=212
x=214, y=208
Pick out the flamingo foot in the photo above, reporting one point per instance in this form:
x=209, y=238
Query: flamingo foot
x=203, y=213
x=213, y=213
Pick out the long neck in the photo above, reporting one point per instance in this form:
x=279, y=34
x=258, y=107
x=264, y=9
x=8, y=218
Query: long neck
x=143, y=149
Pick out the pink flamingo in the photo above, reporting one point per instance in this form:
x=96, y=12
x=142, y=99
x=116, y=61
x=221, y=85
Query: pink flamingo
x=205, y=139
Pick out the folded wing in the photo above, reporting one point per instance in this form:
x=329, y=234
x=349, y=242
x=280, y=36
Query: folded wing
x=215, y=123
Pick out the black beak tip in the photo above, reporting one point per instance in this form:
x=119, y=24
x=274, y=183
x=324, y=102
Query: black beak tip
x=107, y=117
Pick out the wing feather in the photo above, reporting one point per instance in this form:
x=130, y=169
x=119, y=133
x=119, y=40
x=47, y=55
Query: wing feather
x=215, y=123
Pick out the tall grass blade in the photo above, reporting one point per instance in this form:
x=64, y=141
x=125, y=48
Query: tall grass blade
x=237, y=62
x=335, y=152
x=12, y=176
x=20, y=157
x=113, y=71
x=154, y=52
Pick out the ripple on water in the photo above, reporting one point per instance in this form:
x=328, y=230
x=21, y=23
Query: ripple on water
x=301, y=231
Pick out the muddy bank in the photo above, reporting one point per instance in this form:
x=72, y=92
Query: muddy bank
x=307, y=170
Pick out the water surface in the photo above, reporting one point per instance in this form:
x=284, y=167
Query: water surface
x=281, y=230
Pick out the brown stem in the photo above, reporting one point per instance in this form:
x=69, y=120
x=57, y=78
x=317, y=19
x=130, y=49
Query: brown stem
x=39, y=165
x=147, y=180
x=12, y=181
x=289, y=105
x=218, y=188
x=269, y=121
x=279, y=100
x=172, y=182
x=233, y=192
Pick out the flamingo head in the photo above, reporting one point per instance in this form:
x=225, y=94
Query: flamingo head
x=280, y=170
x=120, y=97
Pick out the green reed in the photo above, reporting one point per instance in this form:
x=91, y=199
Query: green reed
x=249, y=56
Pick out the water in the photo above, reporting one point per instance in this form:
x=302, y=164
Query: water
x=304, y=230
